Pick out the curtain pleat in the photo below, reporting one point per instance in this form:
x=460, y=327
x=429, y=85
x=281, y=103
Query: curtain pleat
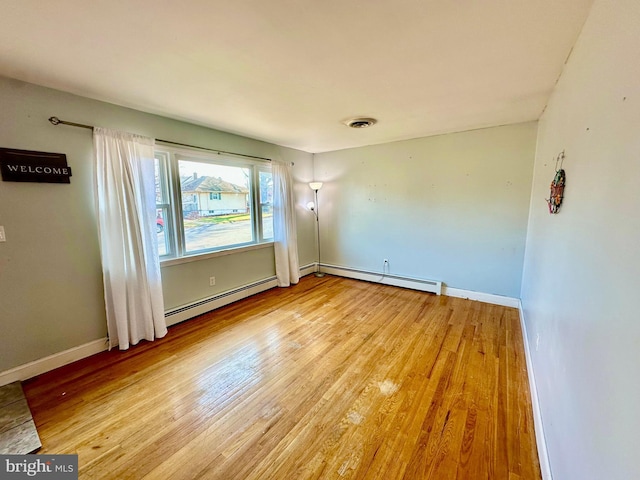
x=284, y=225
x=126, y=211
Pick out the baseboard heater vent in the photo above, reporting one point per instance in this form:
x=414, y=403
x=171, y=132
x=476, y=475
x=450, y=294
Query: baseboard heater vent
x=191, y=310
x=433, y=286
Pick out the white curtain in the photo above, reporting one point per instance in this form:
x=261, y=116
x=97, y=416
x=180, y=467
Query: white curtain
x=126, y=209
x=284, y=225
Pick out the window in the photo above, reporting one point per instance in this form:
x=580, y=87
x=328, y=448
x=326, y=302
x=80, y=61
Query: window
x=209, y=202
x=266, y=203
x=163, y=213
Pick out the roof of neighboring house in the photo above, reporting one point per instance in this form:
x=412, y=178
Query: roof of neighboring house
x=210, y=184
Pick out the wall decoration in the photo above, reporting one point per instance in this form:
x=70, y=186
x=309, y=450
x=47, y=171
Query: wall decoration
x=557, y=186
x=29, y=166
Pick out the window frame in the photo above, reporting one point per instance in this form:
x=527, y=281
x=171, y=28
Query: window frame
x=259, y=204
x=166, y=190
x=169, y=159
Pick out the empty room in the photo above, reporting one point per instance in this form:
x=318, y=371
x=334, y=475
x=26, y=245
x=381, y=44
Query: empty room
x=295, y=240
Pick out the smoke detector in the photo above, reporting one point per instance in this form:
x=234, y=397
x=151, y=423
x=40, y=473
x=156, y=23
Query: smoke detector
x=360, y=122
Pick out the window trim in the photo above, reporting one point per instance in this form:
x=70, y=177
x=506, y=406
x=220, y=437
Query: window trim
x=170, y=261
x=176, y=251
x=258, y=202
x=167, y=193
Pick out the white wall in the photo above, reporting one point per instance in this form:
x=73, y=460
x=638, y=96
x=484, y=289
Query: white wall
x=51, y=296
x=582, y=266
x=451, y=207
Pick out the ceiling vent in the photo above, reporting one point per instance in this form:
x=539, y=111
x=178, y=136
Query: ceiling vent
x=360, y=122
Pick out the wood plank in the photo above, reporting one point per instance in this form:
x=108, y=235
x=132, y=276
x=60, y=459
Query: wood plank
x=332, y=378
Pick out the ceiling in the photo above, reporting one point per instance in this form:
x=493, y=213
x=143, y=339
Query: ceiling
x=291, y=71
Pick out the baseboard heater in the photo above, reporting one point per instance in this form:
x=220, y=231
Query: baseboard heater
x=221, y=299
x=218, y=300
x=190, y=310
x=433, y=286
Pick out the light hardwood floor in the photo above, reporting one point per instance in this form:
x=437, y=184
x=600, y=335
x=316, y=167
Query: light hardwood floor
x=332, y=378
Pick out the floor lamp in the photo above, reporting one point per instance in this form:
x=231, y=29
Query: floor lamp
x=315, y=186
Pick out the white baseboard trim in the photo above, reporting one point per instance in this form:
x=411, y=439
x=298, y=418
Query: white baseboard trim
x=541, y=443
x=43, y=365
x=432, y=286
x=176, y=315
x=307, y=269
x=482, y=297
x=419, y=284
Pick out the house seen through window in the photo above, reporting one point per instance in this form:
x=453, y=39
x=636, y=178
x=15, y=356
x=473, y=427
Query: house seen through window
x=207, y=203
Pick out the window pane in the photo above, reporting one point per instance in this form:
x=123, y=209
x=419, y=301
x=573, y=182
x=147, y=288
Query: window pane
x=159, y=198
x=215, y=205
x=162, y=210
x=163, y=238
x=267, y=222
x=266, y=204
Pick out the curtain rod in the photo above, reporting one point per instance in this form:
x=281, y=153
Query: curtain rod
x=57, y=121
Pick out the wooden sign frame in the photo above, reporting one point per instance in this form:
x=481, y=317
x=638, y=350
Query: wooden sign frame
x=31, y=166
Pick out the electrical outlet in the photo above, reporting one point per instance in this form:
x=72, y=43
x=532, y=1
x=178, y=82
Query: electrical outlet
x=3, y=237
x=212, y=281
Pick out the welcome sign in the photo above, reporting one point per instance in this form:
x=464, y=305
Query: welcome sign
x=28, y=166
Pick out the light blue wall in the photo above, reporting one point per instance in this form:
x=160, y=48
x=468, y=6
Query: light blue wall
x=451, y=207
x=51, y=295
x=582, y=266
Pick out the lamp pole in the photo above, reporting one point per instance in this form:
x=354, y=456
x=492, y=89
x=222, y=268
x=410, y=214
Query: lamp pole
x=315, y=186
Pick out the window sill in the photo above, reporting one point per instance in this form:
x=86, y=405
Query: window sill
x=218, y=253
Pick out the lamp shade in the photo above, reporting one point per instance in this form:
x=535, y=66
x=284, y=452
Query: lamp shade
x=315, y=185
